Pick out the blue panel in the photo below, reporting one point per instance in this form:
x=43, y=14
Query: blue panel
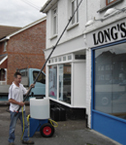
x=35, y=125
x=109, y=126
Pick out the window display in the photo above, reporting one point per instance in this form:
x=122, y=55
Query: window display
x=110, y=80
x=65, y=83
x=53, y=81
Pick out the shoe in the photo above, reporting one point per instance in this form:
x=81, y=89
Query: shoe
x=11, y=143
x=27, y=142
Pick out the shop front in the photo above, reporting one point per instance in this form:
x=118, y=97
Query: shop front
x=66, y=77
x=108, y=80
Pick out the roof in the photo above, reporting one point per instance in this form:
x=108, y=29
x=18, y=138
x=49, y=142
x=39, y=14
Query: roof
x=48, y=5
x=7, y=30
x=23, y=29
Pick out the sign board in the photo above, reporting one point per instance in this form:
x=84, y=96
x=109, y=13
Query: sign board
x=108, y=34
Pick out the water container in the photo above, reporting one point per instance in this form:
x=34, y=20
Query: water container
x=39, y=108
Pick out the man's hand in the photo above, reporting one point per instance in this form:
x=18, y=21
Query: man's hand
x=21, y=104
x=32, y=85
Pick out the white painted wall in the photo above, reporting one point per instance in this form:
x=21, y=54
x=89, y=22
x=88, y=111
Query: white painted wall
x=79, y=81
x=63, y=16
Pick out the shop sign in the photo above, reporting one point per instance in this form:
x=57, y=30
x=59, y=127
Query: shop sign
x=110, y=34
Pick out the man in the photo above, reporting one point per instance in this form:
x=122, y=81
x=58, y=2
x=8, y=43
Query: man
x=15, y=97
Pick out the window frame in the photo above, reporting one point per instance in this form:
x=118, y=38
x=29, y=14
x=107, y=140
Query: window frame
x=108, y=3
x=76, y=16
x=54, y=16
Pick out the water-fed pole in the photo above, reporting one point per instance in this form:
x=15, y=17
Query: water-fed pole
x=27, y=95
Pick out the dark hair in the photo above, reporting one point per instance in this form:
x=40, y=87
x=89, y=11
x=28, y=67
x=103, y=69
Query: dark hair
x=16, y=74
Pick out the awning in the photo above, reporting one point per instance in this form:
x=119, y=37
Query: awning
x=3, y=61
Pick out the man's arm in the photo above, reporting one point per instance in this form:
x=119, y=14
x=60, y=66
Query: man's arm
x=17, y=103
x=31, y=86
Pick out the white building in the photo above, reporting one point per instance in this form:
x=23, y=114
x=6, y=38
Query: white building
x=66, y=69
x=87, y=69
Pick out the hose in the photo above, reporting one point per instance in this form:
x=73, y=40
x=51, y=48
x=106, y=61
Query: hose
x=28, y=123
x=23, y=124
x=52, y=121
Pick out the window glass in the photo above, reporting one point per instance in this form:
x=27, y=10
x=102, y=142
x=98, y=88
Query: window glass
x=109, y=1
x=5, y=46
x=65, y=83
x=72, y=8
x=54, y=21
x=74, y=4
x=41, y=78
x=110, y=80
x=2, y=74
x=53, y=81
x=24, y=72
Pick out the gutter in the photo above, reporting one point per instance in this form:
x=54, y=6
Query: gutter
x=48, y=5
x=4, y=39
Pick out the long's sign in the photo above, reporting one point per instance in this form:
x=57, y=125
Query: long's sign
x=110, y=34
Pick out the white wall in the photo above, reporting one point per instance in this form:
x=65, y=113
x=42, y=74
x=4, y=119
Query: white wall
x=79, y=81
x=63, y=17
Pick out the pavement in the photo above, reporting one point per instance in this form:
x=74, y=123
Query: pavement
x=70, y=132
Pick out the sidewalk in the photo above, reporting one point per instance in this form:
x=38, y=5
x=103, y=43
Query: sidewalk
x=70, y=132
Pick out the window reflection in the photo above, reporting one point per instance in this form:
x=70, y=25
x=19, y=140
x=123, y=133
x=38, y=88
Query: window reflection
x=65, y=83
x=53, y=81
x=110, y=80
x=41, y=78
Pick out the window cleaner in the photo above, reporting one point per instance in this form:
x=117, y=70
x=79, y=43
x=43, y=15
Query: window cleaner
x=44, y=125
x=51, y=53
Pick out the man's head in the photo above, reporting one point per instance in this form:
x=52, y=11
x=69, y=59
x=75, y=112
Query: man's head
x=17, y=77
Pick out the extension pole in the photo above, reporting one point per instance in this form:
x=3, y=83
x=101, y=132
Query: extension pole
x=27, y=95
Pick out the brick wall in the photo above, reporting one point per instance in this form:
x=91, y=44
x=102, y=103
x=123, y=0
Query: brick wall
x=26, y=49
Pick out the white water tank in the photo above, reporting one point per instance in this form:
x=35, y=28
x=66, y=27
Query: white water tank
x=39, y=108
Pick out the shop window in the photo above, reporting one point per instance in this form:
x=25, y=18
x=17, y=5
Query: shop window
x=53, y=82
x=41, y=78
x=110, y=80
x=109, y=1
x=65, y=83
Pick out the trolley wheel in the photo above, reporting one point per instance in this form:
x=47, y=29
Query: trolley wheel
x=47, y=130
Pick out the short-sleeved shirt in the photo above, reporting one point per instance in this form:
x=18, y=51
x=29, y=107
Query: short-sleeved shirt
x=16, y=93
